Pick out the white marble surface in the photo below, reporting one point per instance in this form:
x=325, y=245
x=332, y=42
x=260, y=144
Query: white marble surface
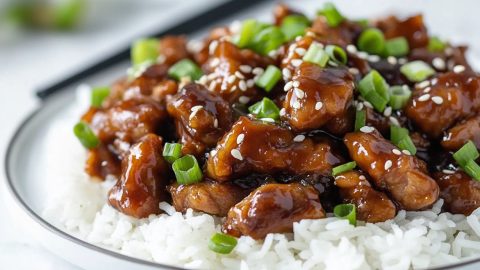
x=30, y=60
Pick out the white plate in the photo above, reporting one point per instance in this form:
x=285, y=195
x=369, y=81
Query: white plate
x=27, y=154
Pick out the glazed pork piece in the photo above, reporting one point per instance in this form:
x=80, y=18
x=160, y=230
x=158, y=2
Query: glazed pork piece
x=317, y=97
x=273, y=208
x=210, y=197
x=145, y=175
x=449, y=98
x=102, y=162
x=411, y=28
x=372, y=205
x=461, y=133
x=201, y=118
x=253, y=146
x=461, y=193
x=402, y=175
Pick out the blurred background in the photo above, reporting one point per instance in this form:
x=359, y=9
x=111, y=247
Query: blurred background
x=43, y=41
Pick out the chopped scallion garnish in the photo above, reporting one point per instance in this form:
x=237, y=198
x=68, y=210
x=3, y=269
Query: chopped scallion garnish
x=336, y=54
x=315, y=54
x=294, y=25
x=360, y=119
x=85, y=135
x=98, y=95
x=331, y=14
x=417, y=71
x=346, y=211
x=265, y=108
x=144, y=50
x=372, y=41
x=467, y=152
x=269, y=78
x=187, y=171
x=472, y=169
x=344, y=168
x=185, y=68
x=399, y=96
x=375, y=90
x=436, y=45
x=172, y=152
x=396, y=47
x=267, y=40
x=222, y=243
x=399, y=136
x=247, y=32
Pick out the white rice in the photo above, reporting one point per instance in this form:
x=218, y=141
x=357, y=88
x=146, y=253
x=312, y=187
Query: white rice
x=412, y=240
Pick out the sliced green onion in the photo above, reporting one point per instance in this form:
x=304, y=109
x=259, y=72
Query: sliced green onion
x=331, y=14
x=186, y=170
x=399, y=96
x=68, y=13
x=363, y=22
x=145, y=50
x=265, y=108
x=269, y=78
x=315, y=54
x=247, y=33
x=85, y=135
x=472, y=169
x=396, y=47
x=346, y=211
x=467, y=152
x=417, y=71
x=436, y=45
x=222, y=243
x=399, y=136
x=372, y=41
x=344, y=168
x=375, y=90
x=360, y=119
x=172, y=152
x=185, y=68
x=337, y=54
x=98, y=96
x=267, y=40
x=294, y=25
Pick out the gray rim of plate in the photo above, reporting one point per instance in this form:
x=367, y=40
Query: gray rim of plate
x=82, y=243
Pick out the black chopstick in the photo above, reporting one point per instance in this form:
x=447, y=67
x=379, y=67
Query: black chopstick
x=187, y=27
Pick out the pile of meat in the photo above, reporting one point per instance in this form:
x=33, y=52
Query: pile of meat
x=264, y=176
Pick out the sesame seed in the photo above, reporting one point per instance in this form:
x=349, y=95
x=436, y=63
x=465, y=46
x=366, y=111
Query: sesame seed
x=215, y=123
x=257, y=70
x=283, y=111
x=392, y=60
x=388, y=164
x=211, y=76
x=448, y=171
x=359, y=106
x=310, y=34
x=236, y=154
x=438, y=63
x=406, y=152
x=233, y=88
x=202, y=80
x=196, y=108
x=427, y=89
x=231, y=78
x=434, y=81
x=288, y=86
x=295, y=83
x=215, y=62
x=298, y=38
x=296, y=62
x=242, y=85
x=212, y=86
x=424, y=97
x=396, y=152
x=368, y=104
x=287, y=74
x=239, y=75
x=458, y=69
x=272, y=53
x=178, y=103
x=213, y=152
x=449, y=51
x=300, y=51
x=213, y=45
x=296, y=105
x=299, y=93
x=243, y=99
x=240, y=138
x=388, y=111
x=354, y=71
x=437, y=100
x=362, y=177
x=245, y=68
x=366, y=129
x=362, y=55
x=423, y=84
x=250, y=83
x=271, y=120
x=373, y=58
x=318, y=106
x=402, y=61
x=351, y=48
x=299, y=138
x=393, y=121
